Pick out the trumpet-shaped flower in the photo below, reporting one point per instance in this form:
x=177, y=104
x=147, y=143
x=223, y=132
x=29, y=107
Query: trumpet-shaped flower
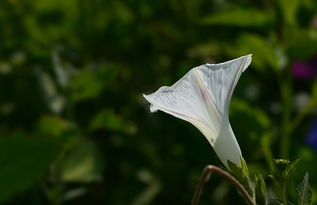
x=202, y=97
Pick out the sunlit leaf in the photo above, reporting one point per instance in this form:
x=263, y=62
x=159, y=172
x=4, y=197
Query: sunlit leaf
x=262, y=185
x=58, y=129
x=244, y=167
x=83, y=163
x=52, y=125
x=107, y=119
x=89, y=84
x=85, y=85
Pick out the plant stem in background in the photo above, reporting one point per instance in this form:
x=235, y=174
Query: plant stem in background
x=284, y=198
x=306, y=110
x=286, y=92
x=266, y=141
x=209, y=169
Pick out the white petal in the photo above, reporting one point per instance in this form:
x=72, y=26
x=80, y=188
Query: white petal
x=226, y=146
x=185, y=100
x=202, y=98
x=221, y=79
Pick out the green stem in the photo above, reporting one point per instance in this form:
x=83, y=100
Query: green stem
x=284, y=198
x=306, y=110
x=266, y=144
x=286, y=92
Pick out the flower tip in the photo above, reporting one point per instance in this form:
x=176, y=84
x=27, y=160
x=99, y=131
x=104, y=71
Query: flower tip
x=248, y=59
x=153, y=108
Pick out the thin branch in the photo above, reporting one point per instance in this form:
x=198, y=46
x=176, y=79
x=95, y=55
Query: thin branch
x=209, y=169
x=307, y=109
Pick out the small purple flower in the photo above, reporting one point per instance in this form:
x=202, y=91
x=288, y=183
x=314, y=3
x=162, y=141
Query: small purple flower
x=305, y=69
x=312, y=136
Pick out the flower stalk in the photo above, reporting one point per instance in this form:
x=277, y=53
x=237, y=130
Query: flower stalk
x=209, y=169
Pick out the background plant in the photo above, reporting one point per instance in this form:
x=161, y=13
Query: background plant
x=74, y=128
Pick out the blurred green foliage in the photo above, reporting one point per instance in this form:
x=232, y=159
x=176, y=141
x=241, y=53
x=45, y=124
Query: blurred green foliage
x=74, y=128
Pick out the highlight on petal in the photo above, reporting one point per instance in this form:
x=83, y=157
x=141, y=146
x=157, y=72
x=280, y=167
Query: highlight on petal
x=184, y=100
x=202, y=97
x=221, y=79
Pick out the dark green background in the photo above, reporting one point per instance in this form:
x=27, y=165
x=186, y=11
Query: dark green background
x=75, y=129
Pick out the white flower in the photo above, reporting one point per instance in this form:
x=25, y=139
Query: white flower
x=202, y=97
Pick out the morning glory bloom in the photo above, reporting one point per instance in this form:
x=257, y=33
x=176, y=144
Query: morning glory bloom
x=202, y=97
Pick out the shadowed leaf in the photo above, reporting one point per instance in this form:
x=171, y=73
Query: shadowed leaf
x=23, y=161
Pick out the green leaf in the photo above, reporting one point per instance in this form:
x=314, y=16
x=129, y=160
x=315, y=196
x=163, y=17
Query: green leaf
x=261, y=186
x=57, y=129
x=23, y=161
x=264, y=53
x=89, y=84
x=242, y=175
x=304, y=191
x=85, y=85
x=235, y=170
x=244, y=168
x=83, y=163
x=51, y=125
x=107, y=119
x=241, y=18
x=289, y=9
